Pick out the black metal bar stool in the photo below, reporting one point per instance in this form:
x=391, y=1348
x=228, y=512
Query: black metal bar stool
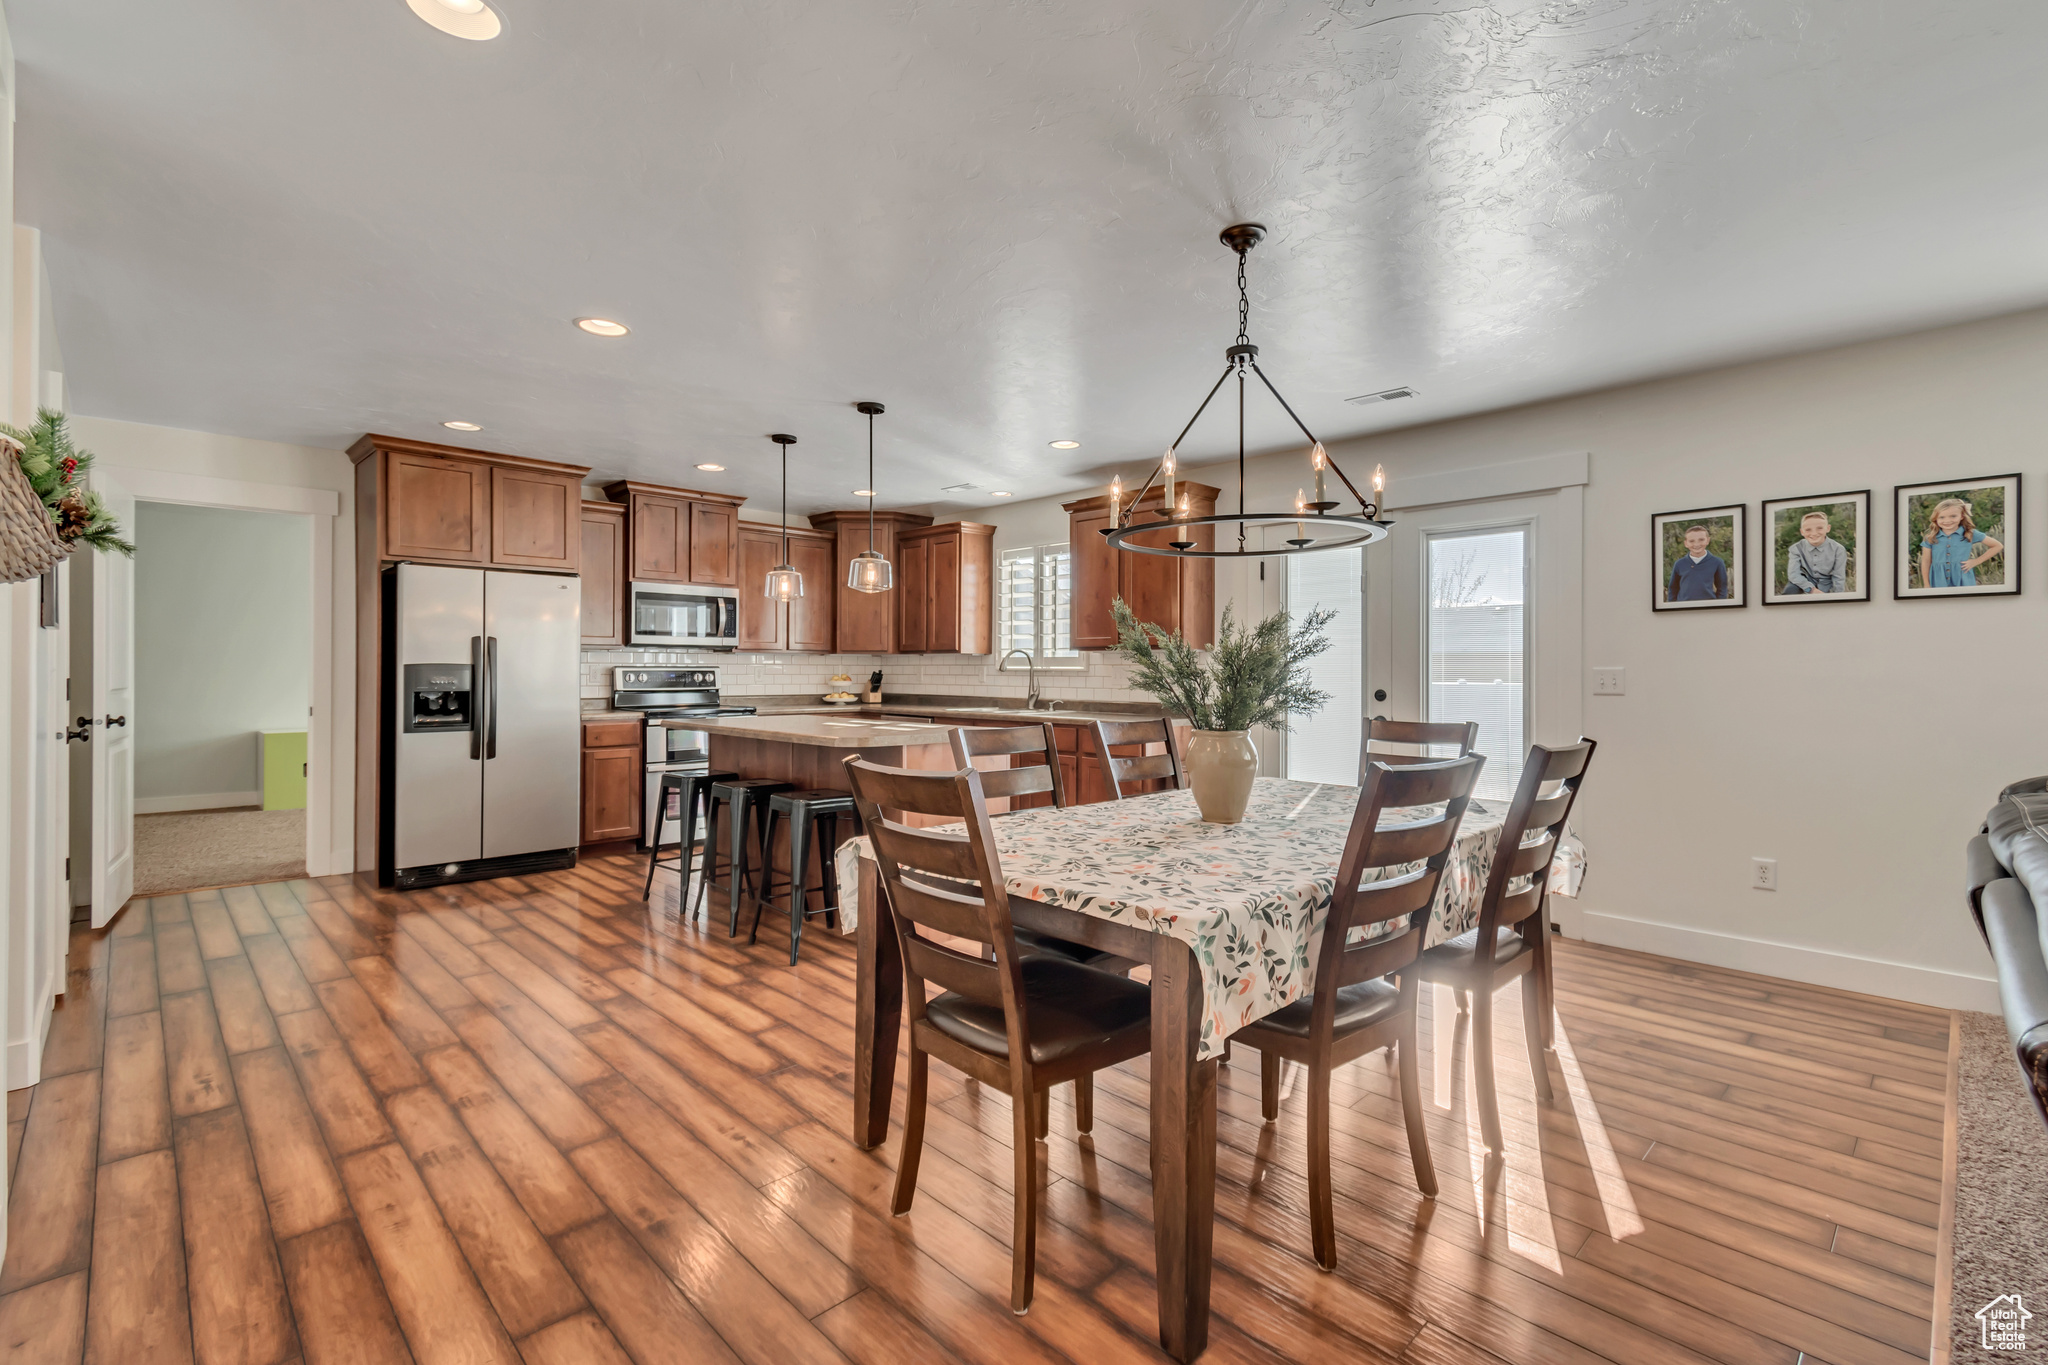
x=689, y=791
x=809, y=813
x=745, y=801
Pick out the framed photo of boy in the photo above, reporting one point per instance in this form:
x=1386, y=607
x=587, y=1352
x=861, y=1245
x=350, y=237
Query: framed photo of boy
x=1815, y=549
x=1958, y=538
x=1699, y=557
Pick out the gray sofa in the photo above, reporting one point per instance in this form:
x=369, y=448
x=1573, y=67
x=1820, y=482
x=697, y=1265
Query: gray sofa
x=2007, y=868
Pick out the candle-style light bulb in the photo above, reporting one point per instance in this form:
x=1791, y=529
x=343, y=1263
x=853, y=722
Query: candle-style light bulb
x=1182, y=511
x=1116, y=498
x=1379, y=488
x=1300, y=506
x=1166, y=466
x=1317, y=459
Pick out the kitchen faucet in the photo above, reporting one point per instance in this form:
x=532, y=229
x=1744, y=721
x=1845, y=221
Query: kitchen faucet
x=1030, y=662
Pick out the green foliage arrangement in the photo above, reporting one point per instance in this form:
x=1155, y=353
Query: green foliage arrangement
x=1785, y=532
x=52, y=465
x=1255, y=677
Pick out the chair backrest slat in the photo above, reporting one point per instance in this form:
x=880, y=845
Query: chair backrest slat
x=1403, y=900
x=945, y=882
x=1126, y=769
x=1529, y=835
x=1461, y=735
x=1014, y=742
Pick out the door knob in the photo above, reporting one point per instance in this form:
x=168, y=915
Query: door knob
x=82, y=733
x=116, y=720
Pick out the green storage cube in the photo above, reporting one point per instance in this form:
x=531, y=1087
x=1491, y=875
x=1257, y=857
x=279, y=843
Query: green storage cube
x=284, y=769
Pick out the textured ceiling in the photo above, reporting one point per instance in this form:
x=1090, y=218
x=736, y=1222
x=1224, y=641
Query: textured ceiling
x=304, y=221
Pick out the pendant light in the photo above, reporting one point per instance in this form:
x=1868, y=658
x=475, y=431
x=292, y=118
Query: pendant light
x=869, y=571
x=1316, y=526
x=784, y=583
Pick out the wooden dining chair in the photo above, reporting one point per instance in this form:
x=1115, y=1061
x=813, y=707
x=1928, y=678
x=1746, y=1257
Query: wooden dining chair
x=1014, y=741
x=1121, y=772
x=1514, y=922
x=1354, y=1009
x=1016, y=1021
x=1463, y=735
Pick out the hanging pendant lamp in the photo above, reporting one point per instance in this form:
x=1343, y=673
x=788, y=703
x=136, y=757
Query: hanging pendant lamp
x=869, y=571
x=1315, y=525
x=784, y=583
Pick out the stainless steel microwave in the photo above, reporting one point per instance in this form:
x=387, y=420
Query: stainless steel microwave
x=683, y=616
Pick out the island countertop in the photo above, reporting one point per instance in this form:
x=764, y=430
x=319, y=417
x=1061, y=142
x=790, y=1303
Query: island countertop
x=825, y=732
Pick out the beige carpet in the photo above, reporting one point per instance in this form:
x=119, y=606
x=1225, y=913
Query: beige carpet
x=187, y=850
x=2001, y=1229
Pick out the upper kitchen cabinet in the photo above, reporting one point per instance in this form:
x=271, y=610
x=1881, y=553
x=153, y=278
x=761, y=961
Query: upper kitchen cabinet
x=945, y=589
x=443, y=504
x=803, y=625
x=1170, y=592
x=865, y=622
x=604, y=573
x=679, y=535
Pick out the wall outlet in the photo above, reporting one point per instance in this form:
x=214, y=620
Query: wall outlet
x=1609, y=682
x=1763, y=874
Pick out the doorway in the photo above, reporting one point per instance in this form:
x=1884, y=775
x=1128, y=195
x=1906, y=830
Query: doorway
x=220, y=647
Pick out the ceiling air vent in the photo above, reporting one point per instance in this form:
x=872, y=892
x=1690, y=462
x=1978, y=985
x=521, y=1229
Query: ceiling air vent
x=960, y=488
x=1383, y=396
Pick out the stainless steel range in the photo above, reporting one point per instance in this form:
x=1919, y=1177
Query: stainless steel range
x=664, y=693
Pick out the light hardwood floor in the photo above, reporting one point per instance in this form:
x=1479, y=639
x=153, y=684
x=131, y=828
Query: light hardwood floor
x=535, y=1120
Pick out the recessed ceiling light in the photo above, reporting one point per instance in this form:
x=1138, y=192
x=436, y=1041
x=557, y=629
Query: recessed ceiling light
x=712, y=468
x=864, y=492
x=1066, y=445
x=999, y=494
x=462, y=426
x=472, y=19
x=600, y=327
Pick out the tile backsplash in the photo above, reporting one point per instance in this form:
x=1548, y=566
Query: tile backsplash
x=1100, y=677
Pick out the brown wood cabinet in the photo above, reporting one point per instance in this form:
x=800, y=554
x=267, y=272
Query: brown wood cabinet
x=1082, y=771
x=604, y=573
x=865, y=622
x=804, y=625
x=679, y=535
x=1170, y=592
x=434, y=504
x=945, y=589
x=613, y=780
x=445, y=505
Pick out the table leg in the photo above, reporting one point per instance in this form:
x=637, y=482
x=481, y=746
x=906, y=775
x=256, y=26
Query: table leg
x=878, y=1012
x=1183, y=1151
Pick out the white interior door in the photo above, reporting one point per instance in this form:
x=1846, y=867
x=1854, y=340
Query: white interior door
x=1474, y=613
x=113, y=710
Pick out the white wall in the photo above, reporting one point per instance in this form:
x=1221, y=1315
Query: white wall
x=138, y=448
x=223, y=648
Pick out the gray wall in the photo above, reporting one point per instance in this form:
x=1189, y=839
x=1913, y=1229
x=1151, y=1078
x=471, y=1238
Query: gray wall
x=223, y=643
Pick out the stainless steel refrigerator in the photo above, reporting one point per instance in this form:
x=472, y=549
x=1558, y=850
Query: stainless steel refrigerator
x=482, y=738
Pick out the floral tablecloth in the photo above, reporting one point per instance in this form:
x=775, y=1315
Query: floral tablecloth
x=1249, y=898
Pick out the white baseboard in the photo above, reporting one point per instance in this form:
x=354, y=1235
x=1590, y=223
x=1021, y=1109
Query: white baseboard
x=24, y=1064
x=1868, y=976
x=164, y=805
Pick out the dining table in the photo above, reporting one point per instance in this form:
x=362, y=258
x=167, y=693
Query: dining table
x=1228, y=920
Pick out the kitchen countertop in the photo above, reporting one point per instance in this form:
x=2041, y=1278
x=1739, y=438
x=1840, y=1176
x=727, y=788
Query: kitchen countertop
x=842, y=731
x=954, y=709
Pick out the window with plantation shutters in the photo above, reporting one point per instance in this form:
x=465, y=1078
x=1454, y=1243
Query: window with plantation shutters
x=1034, y=597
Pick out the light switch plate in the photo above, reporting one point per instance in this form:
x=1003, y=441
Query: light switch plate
x=1609, y=682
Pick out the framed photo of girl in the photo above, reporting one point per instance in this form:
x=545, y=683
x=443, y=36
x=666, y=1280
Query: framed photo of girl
x=1699, y=557
x=1958, y=538
x=1816, y=549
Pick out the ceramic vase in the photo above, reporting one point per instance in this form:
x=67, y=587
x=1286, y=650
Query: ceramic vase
x=1221, y=765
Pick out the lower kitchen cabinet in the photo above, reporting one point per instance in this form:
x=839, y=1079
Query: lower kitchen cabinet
x=613, y=766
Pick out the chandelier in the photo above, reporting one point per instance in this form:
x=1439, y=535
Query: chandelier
x=1332, y=531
